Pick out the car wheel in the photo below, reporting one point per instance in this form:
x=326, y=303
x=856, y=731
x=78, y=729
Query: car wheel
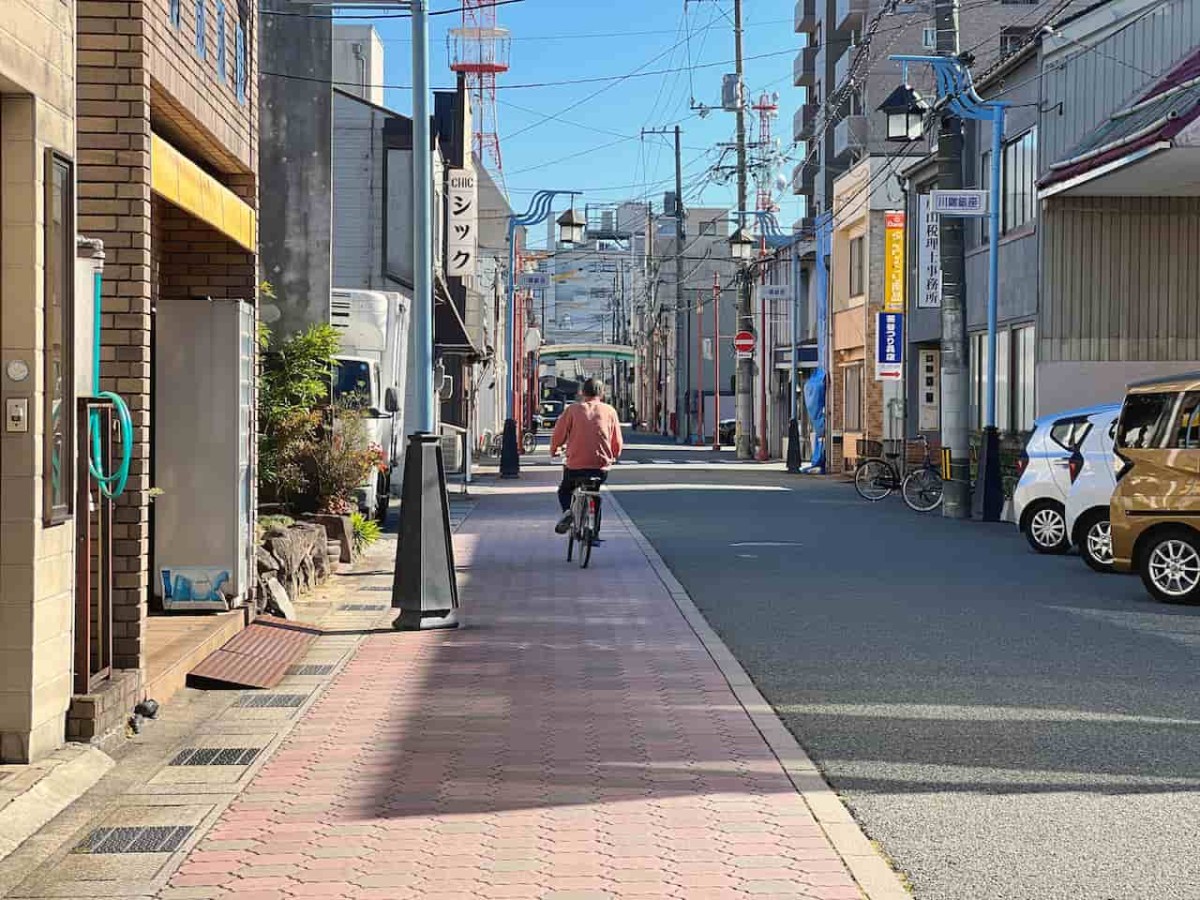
x=1046, y=528
x=1094, y=538
x=1170, y=566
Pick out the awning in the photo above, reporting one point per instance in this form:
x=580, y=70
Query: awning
x=449, y=330
x=180, y=181
x=1150, y=147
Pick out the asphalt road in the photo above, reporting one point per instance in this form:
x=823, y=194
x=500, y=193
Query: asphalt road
x=1005, y=725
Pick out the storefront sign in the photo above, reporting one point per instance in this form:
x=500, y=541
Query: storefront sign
x=889, y=346
x=462, y=224
x=929, y=255
x=929, y=390
x=893, y=262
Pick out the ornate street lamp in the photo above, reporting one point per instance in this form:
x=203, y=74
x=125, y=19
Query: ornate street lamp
x=571, y=226
x=741, y=245
x=905, y=110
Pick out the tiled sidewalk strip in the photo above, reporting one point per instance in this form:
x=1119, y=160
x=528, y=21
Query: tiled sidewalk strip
x=576, y=740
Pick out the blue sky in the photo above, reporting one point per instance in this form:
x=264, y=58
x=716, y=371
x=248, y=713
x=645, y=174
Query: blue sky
x=600, y=151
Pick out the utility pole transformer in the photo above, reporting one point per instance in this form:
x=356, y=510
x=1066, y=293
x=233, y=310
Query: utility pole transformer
x=744, y=380
x=955, y=371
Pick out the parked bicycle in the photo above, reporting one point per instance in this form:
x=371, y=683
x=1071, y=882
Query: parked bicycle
x=876, y=477
x=585, y=521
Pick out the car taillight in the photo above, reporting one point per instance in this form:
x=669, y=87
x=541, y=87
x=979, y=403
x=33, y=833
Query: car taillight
x=1075, y=465
x=1022, y=463
x=1125, y=464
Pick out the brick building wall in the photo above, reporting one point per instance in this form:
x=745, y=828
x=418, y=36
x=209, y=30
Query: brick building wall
x=140, y=73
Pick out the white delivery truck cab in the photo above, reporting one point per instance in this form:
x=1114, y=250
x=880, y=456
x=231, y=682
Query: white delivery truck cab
x=372, y=365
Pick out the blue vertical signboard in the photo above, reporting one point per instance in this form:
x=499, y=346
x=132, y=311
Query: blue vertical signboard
x=889, y=346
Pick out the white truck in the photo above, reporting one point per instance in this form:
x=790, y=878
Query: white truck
x=372, y=373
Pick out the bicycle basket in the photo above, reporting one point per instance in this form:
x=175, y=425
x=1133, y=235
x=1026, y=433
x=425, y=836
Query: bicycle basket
x=865, y=448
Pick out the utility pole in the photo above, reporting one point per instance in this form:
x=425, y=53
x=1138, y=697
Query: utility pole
x=957, y=492
x=744, y=381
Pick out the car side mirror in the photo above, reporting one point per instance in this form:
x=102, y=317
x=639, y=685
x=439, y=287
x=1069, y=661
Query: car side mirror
x=391, y=400
x=376, y=413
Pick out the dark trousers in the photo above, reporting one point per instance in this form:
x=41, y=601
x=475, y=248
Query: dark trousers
x=571, y=479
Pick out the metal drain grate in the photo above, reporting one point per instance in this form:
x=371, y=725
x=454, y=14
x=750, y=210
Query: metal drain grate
x=138, y=839
x=216, y=756
x=311, y=669
x=361, y=607
x=270, y=701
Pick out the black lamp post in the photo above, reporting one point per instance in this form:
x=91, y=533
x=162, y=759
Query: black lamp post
x=906, y=111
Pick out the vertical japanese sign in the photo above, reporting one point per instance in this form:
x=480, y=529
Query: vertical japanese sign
x=893, y=262
x=889, y=346
x=462, y=224
x=929, y=255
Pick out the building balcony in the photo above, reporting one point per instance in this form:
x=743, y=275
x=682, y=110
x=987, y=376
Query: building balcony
x=841, y=68
x=804, y=175
x=805, y=67
x=806, y=16
x=804, y=122
x=850, y=136
x=848, y=15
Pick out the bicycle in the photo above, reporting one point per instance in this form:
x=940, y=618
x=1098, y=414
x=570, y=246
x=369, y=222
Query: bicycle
x=585, y=520
x=876, y=477
x=528, y=441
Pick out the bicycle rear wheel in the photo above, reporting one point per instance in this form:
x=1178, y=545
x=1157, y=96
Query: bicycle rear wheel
x=571, y=542
x=874, y=479
x=922, y=490
x=528, y=442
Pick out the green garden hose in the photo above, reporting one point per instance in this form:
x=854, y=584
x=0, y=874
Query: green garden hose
x=111, y=485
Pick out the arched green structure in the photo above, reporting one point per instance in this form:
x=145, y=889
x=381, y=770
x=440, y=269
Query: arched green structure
x=587, y=351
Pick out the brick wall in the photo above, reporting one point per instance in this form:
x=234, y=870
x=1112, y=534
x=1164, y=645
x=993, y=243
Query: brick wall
x=134, y=65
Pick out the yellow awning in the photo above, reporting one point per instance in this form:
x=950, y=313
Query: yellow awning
x=176, y=178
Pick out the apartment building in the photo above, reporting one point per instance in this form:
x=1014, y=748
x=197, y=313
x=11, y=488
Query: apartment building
x=38, y=382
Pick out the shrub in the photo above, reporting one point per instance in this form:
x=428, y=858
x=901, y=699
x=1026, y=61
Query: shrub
x=341, y=459
x=366, y=532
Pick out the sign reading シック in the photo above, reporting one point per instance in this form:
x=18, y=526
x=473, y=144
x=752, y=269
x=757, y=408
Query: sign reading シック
x=973, y=204
x=929, y=255
x=462, y=224
x=893, y=262
x=889, y=346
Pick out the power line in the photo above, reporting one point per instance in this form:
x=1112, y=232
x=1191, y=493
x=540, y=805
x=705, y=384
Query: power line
x=375, y=15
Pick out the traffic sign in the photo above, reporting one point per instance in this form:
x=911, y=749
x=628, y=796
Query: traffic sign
x=743, y=343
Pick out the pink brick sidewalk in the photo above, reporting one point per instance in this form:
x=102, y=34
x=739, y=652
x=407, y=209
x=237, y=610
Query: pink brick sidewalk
x=575, y=741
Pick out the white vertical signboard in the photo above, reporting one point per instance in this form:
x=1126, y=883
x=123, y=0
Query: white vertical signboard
x=929, y=256
x=462, y=224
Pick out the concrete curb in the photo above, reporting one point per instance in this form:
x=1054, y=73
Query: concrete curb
x=873, y=873
x=61, y=786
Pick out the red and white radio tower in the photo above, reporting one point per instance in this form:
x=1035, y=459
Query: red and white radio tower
x=480, y=51
x=767, y=108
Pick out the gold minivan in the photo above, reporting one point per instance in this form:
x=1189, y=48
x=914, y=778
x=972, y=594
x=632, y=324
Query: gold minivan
x=1155, y=509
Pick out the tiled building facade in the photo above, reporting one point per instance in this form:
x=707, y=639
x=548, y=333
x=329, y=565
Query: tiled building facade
x=37, y=149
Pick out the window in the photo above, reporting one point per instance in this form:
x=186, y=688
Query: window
x=1013, y=38
x=1187, y=423
x=1019, y=2
x=1020, y=173
x=856, y=266
x=239, y=63
x=201, y=26
x=222, y=67
x=354, y=385
x=59, y=236
x=977, y=368
x=174, y=13
x=852, y=398
x=1070, y=433
x=985, y=184
x=1024, y=359
x=1145, y=419
x=929, y=38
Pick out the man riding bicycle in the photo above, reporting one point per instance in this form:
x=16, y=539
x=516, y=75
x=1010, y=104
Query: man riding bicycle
x=591, y=432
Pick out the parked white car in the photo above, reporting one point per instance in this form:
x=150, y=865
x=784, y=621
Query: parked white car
x=1047, y=466
x=1087, y=499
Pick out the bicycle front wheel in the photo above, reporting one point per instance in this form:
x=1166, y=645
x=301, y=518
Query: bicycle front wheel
x=528, y=442
x=874, y=479
x=922, y=490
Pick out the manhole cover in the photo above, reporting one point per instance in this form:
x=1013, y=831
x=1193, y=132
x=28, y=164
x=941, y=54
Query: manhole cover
x=361, y=607
x=216, y=756
x=311, y=669
x=138, y=839
x=270, y=701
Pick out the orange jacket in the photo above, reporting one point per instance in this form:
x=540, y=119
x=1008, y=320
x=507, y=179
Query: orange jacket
x=591, y=432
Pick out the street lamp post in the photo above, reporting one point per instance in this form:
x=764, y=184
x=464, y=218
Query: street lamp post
x=571, y=230
x=905, y=111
